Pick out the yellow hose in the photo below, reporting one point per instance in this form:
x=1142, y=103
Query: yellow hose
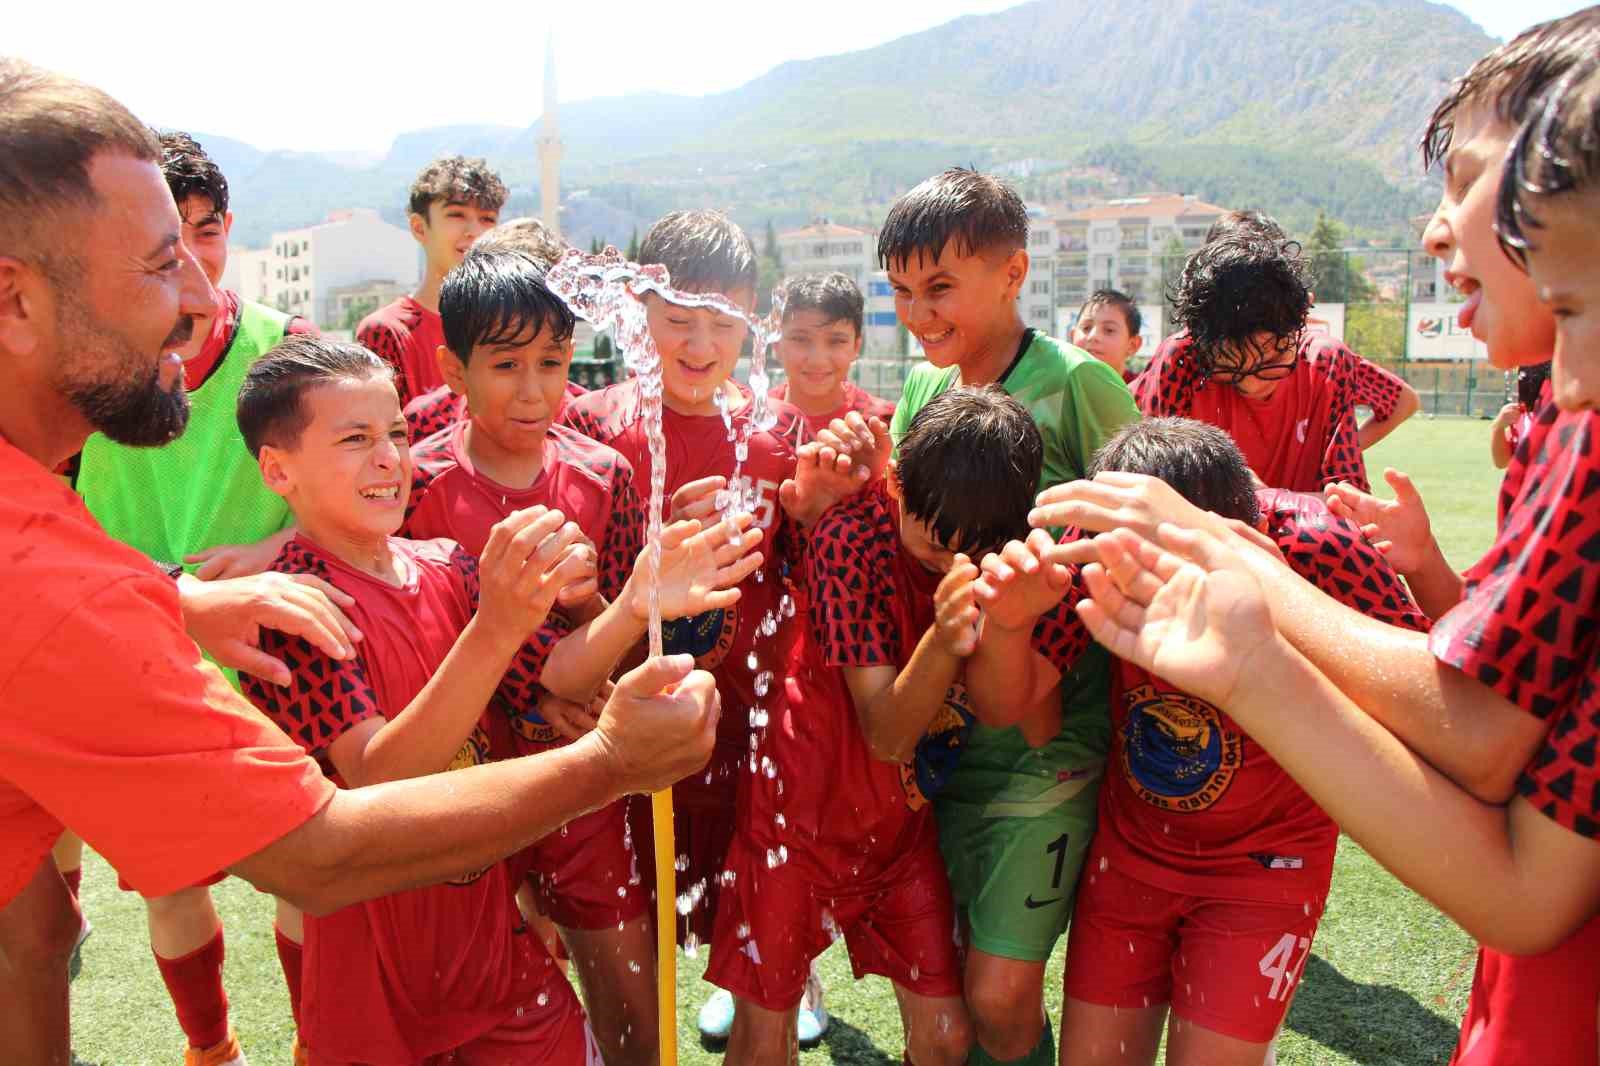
x=666, y=927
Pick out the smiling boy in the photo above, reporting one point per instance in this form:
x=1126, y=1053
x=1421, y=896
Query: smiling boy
x=1108, y=328
x=822, y=323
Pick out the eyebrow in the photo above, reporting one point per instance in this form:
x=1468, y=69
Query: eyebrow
x=205, y=220
x=167, y=242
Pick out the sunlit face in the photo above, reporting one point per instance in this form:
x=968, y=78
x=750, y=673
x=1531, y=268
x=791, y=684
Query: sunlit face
x=1565, y=275
x=1502, y=308
x=514, y=391
x=1102, y=331
x=449, y=229
x=349, y=475
x=958, y=307
x=133, y=303
x=918, y=537
x=1257, y=366
x=817, y=355
x=205, y=232
x=699, y=349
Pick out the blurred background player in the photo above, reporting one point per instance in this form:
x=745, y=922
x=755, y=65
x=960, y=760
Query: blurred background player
x=452, y=202
x=822, y=337
x=197, y=501
x=1108, y=327
x=1515, y=419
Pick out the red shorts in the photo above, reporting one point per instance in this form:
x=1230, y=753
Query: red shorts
x=214, y=879
x=773, y=920
x=701, y=836
x=531, y=1038
x=584, y=873
x=1227, y=965
x=1535, y=1009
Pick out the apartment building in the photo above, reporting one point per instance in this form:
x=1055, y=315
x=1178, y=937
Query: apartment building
x=1121, y=244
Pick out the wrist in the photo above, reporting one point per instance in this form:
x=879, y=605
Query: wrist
x=493, y=642
x=597, y=757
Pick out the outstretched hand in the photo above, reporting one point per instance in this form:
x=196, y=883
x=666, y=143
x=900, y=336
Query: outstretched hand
x=955, y=608
x=225, y=617
x=865, y=441
x=1186, y=607
x=700, y=568
x=1399, y=528
x=531, y=555
x=1115, y=500
x=823, y=476
x=1020, y=582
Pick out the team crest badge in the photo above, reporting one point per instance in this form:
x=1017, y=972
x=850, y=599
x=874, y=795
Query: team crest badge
x=939, y=749
x=707, y=637
x=1175, y=753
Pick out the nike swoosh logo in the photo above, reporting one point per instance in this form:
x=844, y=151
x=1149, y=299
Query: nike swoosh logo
x=1034, y=904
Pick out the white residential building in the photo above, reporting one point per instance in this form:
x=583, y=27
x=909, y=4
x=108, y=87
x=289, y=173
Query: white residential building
x=1120, y=244
x=299, y=271
x=826, y=246
x=1037, y=300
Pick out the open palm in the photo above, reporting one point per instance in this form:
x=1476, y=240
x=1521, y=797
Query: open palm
x=701, y=568
x=1186, y=609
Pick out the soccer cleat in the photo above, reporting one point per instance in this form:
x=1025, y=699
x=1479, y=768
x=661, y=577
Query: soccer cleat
x=226, y=1053
x=716, y=1015
x=813, y=1019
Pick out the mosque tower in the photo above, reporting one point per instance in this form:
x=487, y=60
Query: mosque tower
x=550, y=146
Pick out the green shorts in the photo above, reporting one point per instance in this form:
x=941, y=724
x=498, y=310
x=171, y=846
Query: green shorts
x=1015, y=822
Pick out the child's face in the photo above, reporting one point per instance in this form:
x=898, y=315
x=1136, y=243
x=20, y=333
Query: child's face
x=918, y=537
x=205, y=233
x=817, y=354
x=351, y=471
x=1102, y=331
x=699, y=349
x=513, y=391
x=1502, y=309
x=449, y=230
x=957, y=307
x=1566, y=279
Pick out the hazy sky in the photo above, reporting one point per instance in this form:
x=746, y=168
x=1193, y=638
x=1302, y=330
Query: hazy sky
x=350, y=75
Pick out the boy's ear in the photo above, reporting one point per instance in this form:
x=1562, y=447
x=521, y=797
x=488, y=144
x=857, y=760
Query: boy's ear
x=861, y=341
x=276, y=474
x=418, y=224
x=1016, y=273
x=452, y=369
x=891, y=479
x=1135, y=343
x=227, y=223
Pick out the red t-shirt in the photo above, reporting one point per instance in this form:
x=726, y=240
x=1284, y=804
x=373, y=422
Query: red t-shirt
x=413, y=974
x=407, y=336
x=1191, y=803
x=1304, y=435
x=725, y=642
x=432, y=411
x=223, y=326
x=855, y=399
x=110, y=721
x=1526, y=627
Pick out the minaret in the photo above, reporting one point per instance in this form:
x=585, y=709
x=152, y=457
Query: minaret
x=550, y=146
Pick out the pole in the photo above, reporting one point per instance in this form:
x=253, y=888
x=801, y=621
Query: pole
x=666, y=928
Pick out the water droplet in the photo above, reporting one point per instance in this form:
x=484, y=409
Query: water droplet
x=772, y=859
x=743, y=932
x=750, y=660
x=544, y=998
x=1105, y=864
x=681, y=863
x=763, y=682
x=779, y=821
x=633, y=966
x=685, y=904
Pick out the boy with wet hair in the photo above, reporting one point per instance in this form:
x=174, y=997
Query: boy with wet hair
x=432, y=411
x=442, y=970
x=197, y=500
x=1251, y=221
x=823, y=315
x=1109, y=327
x=452, y=202
x=508, y=347
x=1242, y=360
x=1481, y=734
x=955, y=250
x=1209, y=868
x=891, y=622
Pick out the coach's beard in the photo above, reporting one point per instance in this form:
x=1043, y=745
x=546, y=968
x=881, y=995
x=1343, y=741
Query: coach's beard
x=141, y=411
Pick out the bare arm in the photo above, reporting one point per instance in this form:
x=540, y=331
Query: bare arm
x=372, y=841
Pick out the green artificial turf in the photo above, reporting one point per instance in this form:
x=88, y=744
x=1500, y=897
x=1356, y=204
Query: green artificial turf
x=1386, y=983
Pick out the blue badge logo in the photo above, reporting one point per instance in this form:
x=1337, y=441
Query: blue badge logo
x=1176, y=754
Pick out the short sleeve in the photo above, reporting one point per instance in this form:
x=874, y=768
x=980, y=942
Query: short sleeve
x=1342, y=459
x=148, y=754
x=432, y=411
x=1334, y=555
x=1060, y=635
x=1167, y=386
x=624, y=538
x=325, y=697
x=852, y=617
x=1373, y=386
x=382, y=340
x=1526, y=624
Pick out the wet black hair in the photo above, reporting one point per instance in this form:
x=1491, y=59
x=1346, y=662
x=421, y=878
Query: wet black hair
x=1250, y=221
x=191, y=172
x=836, y=296
x=455, y=179
x=979, y=212
x=703, y=251
x=1237, y=286
x=1511, y=79
x=269, y=410
x=497, y=296
x=1556, y=152
x=1121, y=301
x=1197, y=459
x=969, y=467
x=1530, y=383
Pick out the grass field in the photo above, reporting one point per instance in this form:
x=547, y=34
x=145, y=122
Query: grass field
x=1386, y=984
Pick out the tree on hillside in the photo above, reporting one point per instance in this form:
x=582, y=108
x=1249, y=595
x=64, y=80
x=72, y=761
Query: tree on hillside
x=1336, y=277
x=1173, y=256
x=770, y=270
x=633, y=246
x=771, y=250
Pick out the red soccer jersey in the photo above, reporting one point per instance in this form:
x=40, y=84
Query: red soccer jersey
x=855, y=399
x=729, y=643
x=1526, y=628
x=432, y=411
x=413, y=974
x=1191, y=803
x=1304, y=435
x=407, y=336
